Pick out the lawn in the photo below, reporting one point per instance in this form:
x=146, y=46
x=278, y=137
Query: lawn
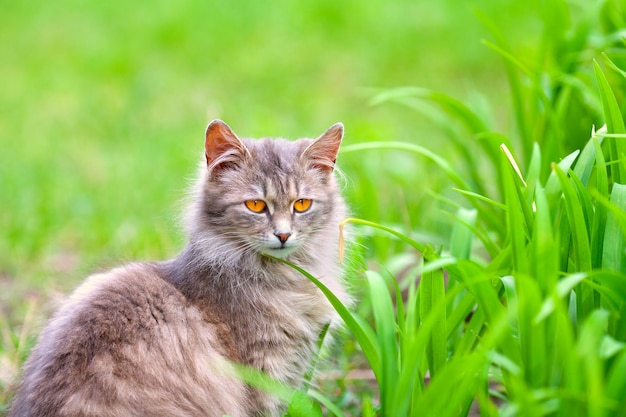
x=505, y=286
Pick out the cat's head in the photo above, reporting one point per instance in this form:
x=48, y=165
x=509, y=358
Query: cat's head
x=269, y=195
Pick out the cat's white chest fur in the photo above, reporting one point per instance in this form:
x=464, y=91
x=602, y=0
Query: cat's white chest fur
x=290, y=324
x=292, y=318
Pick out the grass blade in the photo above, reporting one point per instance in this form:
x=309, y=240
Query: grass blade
x=369, y=346
x=432, y=289
x=544, y=247
x=588, y=345
x=387, y=341
x=598, y=227
x=580, y=240
x=410, y=147
x=614, y=257
x=614, y=124
x=517, y=226
x=577, y=222
x=389, y=230
x=615, y=384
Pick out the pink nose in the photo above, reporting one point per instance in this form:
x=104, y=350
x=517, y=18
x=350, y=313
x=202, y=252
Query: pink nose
x=282, y=237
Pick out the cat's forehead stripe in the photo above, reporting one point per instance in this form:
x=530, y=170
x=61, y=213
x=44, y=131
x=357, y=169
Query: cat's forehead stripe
x=293, y=187
x=270, y=190
x=259, y=189
x=275, y=187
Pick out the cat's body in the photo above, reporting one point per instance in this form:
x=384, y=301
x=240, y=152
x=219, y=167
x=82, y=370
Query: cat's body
x=158, y=339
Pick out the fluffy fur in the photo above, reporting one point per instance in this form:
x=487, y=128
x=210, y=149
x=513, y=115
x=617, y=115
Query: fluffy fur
x=158, y=339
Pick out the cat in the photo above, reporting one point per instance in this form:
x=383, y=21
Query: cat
x=160, y=338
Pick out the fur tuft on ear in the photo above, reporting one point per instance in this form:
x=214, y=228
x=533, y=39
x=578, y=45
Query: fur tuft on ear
x=222, y=147
x=322, y=153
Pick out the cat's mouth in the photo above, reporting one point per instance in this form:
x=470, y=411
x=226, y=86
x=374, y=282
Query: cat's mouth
x=279, y=244
x=281, y=251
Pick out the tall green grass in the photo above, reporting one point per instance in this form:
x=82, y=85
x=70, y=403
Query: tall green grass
x=523, y=310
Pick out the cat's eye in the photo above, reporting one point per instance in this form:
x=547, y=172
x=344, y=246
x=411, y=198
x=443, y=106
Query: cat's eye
x=256, y=206
x=302, y=205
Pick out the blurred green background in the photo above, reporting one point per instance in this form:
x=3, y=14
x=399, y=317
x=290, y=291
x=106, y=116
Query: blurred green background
x=103, y=107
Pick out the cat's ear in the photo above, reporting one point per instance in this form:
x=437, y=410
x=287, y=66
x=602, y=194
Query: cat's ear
x=222, y=147
x=322, y=153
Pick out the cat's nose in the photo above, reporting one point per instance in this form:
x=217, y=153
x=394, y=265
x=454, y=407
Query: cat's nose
x=282, y=237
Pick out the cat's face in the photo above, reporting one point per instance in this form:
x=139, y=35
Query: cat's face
x=271, y=195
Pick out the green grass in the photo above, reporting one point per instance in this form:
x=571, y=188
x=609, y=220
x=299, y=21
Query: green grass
x=505, y=271
x=537, y=326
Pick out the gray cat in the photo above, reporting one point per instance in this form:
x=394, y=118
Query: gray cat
x=159, y=339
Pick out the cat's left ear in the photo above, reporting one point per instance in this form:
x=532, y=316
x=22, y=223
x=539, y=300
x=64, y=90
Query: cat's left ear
x=322, y=153
x=222, y=147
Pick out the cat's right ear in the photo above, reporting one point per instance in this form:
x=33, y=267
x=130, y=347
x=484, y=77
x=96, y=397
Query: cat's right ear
x=222, y=148
x=322, y=153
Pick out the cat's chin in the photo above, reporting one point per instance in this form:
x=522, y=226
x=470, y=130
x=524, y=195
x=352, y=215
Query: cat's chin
x=281, y=253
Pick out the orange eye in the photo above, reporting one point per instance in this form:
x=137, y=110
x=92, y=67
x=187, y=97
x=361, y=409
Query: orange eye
x=256, y=206
x=302, y=205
